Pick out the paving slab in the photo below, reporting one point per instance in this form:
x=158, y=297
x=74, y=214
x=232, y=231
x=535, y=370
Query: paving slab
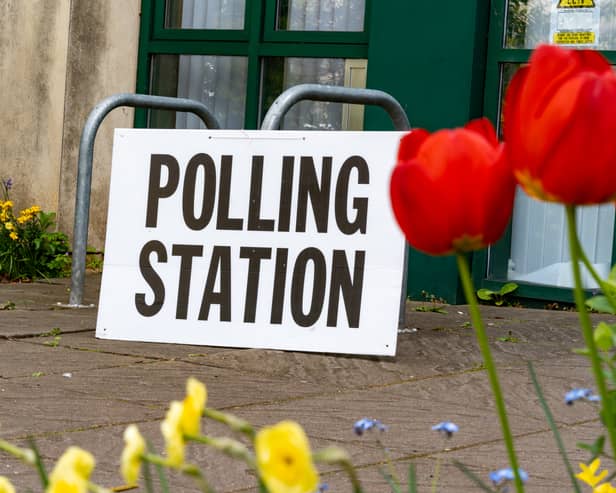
x=21, y=358
x=65, y=387
x=86, y=341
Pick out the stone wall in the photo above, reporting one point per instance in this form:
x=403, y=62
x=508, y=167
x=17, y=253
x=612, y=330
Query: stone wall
x=58, y=58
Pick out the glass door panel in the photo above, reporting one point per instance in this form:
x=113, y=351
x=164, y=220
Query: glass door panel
x=320, y=15
x=217, y=81
x=205, y=14
x=280, y=73
x=590, y=23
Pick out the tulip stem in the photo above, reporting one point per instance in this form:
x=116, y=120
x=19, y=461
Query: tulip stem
x=609, y=292
x=484, y=346
x=587, y=331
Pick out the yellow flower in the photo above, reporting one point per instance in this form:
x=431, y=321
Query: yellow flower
x=284, y=459
x=604, y=488
x=6, y=205
x=34, y=209
x=171, y=429
x=72, y=471
x=13, y=235
x=9, y=225
x=6, y=486
x=23, y=218
x=193, y=406
x=183, y=418
x=588, y=473
x=134, y=448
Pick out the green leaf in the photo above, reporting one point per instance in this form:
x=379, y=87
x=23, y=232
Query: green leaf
x=600, y=304
x=595, y=448
x=550, y=419
x=603, y=336
x=38, y=461
x=485, y=294
x=510, y=287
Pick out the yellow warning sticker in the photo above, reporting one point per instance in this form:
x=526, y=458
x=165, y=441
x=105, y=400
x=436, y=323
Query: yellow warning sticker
x=574, y=38
x=575, y=4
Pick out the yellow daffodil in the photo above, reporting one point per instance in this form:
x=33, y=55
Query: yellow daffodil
x=171, y=429
x=183, y=418
x=6, y=486
x=134, y=449
x=24, y=218
x=72, y=472
x=193, y=406
x=6, y=205
x=14, y=236
x=284, y=459
x=604, y=488
x=589, y=473
x=34, y=209
x=9, y=225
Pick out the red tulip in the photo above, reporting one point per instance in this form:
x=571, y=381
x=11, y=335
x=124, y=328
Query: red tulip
x=560, y=126
x=452, y=191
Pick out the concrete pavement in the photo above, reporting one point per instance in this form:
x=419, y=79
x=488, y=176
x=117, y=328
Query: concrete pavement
x=62, y=386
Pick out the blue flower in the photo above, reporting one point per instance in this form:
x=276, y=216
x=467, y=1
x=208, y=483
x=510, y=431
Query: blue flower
x=447, y=427
x=503, y=475
x=577, y=394
x=323, y=487
x=365, y=424
x=8, y=183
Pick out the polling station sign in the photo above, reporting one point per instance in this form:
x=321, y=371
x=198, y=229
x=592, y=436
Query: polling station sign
x=261, y=239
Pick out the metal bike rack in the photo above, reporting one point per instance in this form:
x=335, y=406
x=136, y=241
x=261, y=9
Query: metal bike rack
x=334, y=94
x=84, y=171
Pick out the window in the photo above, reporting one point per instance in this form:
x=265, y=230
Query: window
x=534, y=252
x=237, y=56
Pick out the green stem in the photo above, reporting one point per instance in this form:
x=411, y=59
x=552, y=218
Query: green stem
x=580, y=301
x=484, y=346
x=602, y=284
x=233, y=422
x=390, y=469
x=338, y=456
x=553, y=427
x=227, y=446
x=24, y=454
x=188, y=469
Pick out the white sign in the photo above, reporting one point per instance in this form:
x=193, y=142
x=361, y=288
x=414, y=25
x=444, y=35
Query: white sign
x=261, y=239
x=575, y=23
